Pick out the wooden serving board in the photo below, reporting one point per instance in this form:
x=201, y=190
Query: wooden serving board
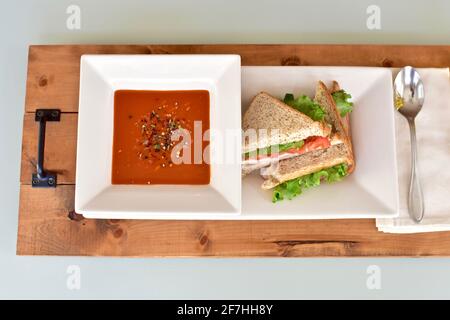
x=49, y=226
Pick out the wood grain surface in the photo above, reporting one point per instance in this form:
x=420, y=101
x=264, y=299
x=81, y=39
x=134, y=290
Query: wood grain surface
x=49, y=226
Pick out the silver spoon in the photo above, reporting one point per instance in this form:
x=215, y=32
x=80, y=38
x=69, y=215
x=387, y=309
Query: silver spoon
x=409, y=98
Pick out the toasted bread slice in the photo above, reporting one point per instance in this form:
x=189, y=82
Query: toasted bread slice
x=304, y=164
x=283, y=123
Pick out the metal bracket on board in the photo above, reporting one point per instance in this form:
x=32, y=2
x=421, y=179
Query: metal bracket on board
x=42, y=178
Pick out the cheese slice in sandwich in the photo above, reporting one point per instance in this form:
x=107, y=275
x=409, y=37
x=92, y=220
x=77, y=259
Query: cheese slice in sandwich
x=290, y=176
x=274, y=131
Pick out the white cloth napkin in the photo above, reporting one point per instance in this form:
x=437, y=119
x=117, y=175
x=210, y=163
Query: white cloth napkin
x=433, y=138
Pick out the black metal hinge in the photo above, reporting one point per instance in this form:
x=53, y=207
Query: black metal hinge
x=42, y=178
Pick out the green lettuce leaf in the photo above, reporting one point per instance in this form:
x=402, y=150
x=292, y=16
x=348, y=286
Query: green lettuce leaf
x=281, y=147
x=341, y=98
x=305, y=105
x=295, y=187
x=290, y=145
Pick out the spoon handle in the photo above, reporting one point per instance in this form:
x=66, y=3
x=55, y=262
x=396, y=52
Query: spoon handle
x=415, y=197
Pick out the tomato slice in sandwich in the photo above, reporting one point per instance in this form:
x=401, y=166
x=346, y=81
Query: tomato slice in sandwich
x=310, y=144
x=313, y=143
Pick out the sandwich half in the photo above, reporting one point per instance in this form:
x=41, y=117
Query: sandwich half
x=275, y=131
x=311, y=139
x=289, y=177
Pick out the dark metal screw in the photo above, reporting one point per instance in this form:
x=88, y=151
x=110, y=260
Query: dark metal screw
x=51, y=181
x=40, y=113
x=35, y=181
x=55, y=114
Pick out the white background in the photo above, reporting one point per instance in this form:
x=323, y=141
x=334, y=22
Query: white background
x=25, y=22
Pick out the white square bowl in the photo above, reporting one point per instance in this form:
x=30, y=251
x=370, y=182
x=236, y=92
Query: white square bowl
x=371, y=191
x=100, y=77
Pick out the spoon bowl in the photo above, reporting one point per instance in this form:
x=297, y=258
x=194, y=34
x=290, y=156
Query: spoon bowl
x=409, y=98
x=409, y=92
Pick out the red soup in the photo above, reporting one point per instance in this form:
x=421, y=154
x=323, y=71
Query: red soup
x=144, y=148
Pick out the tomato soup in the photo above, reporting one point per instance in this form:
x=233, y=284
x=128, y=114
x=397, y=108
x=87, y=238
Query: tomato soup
x=144, y=146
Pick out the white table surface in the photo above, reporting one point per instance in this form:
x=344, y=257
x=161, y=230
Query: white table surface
x=24, y=22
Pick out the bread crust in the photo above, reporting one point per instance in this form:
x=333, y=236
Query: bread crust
x=324, y=98
x=346, y=125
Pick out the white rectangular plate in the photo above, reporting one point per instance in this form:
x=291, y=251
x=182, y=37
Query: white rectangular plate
x=371, y=190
